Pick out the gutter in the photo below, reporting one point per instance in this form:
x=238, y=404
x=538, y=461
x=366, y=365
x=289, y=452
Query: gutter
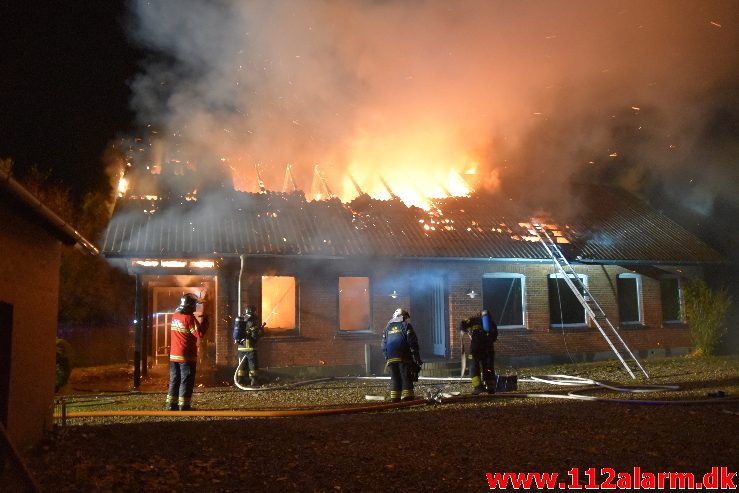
x=64, y=231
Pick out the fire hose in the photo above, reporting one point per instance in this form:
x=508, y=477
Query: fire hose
x=432, y=397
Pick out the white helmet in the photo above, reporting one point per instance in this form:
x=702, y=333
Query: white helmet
x=401, y=313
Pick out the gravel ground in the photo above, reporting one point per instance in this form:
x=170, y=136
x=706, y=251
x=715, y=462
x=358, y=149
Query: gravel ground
x=429, y=447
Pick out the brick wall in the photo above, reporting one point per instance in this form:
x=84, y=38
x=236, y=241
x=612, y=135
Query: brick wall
x=318, y=342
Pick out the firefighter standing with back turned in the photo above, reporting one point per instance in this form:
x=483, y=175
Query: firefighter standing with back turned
x=481, y=359
x=247, y=331
x=400, y=347
x=185, y=330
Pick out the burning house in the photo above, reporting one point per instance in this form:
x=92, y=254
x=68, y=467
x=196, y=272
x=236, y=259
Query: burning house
x=326, y=275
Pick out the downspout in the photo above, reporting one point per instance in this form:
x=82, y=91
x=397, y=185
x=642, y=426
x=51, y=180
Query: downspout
x=137, y=336
x=241, y=276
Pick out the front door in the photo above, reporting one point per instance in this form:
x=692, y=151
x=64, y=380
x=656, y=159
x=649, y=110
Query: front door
x=429, y=314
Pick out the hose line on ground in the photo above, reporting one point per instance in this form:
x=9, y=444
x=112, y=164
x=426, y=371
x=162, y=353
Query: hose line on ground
x=439, y=397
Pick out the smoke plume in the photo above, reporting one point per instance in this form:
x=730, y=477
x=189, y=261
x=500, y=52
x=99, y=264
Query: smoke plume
x=516, y=97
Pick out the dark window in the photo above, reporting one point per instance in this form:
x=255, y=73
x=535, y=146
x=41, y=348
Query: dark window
x=628, y=299
x=670, y=293
x=503, y=297
x=564, y=307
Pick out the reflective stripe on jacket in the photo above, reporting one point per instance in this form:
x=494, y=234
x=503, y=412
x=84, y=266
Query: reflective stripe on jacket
x=185, y=332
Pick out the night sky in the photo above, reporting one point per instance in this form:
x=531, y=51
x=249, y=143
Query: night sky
x=64, y=92
x=633, y=92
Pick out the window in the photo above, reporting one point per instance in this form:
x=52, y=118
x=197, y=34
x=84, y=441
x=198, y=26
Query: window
x=354, y=303
x=503, y=297
x=671, y=300
x=628, y=287
x=278, y=303
x=565, y=310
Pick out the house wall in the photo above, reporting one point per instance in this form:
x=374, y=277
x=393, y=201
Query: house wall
x=320, y=343
x=29, y=272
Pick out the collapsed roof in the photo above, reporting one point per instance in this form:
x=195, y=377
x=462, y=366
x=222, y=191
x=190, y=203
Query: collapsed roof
x=612, y=226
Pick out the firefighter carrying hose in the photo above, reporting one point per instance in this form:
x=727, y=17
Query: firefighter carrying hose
x=247, y=331
x=400, y=347
x=185, y=331
x=483, y=333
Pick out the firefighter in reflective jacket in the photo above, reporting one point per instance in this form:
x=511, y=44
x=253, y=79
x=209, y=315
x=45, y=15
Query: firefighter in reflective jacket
x=247, y=331
x=185, y=330
x=482, y=332
x=400, y=347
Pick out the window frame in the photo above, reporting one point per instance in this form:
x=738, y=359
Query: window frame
x=295, y=331
x=639, y=302
x=680, y=301
x=339, y=330
x=568, y=326
x=524, y=311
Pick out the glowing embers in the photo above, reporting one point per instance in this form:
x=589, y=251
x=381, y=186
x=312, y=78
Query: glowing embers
x=553, y=229
x=122, y=186
x=278, y=303
x=174, y=264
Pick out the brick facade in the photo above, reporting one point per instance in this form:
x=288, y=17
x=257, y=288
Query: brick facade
x=318, y=342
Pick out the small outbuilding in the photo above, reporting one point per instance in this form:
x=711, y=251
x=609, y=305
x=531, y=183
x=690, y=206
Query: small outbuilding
x=31, y=239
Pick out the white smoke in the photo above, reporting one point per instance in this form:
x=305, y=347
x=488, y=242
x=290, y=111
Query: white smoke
x=531, y=92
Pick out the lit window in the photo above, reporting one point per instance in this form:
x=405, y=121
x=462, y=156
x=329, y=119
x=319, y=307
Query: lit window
x=671, y=300
x=629, y=299
x=354, y=303
x=278, y=303
x=202, y=264
x=503, y=297
x=565, y=309
x=173, y=263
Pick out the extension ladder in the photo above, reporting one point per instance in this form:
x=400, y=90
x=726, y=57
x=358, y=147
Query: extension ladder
x=581, y=292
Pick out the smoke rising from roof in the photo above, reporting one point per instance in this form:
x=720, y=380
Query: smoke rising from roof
x=528, y=94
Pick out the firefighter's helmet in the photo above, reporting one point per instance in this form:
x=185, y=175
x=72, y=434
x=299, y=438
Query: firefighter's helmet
x=400, y=313
x=188, y=303
x=249, y=311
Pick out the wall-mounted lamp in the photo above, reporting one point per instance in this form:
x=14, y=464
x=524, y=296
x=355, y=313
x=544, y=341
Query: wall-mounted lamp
x=394, y=294
x=472, y=294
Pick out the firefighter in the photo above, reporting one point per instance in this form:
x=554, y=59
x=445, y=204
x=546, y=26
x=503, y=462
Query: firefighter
x=400, y=347
x=483, y=333
x=247, y=331
x=185, y=330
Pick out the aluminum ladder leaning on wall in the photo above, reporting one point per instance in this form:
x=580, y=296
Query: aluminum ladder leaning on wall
x=581, y=292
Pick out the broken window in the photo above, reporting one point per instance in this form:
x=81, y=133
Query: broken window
x=503, y=297
x=565, y=309
x=671, y=300
x=628, y=287
x=354, y=303
x=278, y=303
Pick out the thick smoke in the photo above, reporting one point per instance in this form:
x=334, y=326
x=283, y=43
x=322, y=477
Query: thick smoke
x=529, y=95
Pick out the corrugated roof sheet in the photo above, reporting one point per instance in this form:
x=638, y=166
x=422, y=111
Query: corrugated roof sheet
x=615, y=226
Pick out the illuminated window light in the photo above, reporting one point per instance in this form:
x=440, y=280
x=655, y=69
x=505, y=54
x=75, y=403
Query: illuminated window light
x=173, y=263
x=146, y=263
x=202, y=264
